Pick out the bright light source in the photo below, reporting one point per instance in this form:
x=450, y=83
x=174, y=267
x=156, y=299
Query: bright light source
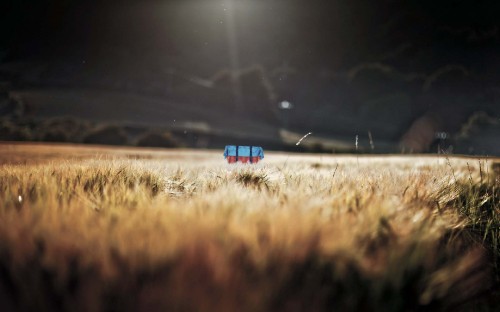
x=285, y=105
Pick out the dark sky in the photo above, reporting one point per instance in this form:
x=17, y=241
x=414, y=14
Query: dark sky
x=336, y=34
x=350, y=58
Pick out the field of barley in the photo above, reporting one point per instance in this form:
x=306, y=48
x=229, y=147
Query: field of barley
x=113, y=229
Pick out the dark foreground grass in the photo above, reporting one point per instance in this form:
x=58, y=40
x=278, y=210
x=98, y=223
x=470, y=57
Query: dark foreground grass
x=190, y=281
x=479, y=202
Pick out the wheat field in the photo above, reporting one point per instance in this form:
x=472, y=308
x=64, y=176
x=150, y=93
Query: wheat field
x=111, y=229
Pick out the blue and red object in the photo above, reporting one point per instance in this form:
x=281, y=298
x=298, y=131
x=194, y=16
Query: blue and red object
x=243, y=153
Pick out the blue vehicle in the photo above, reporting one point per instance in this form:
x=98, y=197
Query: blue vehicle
x=243, y=153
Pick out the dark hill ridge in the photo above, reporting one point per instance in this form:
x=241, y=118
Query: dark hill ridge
x=337, y=110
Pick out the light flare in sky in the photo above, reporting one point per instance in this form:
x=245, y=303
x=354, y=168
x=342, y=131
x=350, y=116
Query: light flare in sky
x=305, y=136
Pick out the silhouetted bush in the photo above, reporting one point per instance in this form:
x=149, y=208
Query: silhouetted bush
x=54, y=135
x=476, y=123
x=12, y=132
x=63, y=129
x=109, y=135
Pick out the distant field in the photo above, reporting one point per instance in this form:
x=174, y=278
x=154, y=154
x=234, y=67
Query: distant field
x=89, y=228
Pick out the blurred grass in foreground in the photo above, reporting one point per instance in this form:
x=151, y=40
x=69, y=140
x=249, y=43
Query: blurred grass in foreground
x=346, y=234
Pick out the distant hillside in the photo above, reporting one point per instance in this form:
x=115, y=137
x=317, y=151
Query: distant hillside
x=372, y=99
x=480, y=135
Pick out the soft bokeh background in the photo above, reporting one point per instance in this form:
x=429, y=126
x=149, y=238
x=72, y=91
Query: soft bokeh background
x=403, y=76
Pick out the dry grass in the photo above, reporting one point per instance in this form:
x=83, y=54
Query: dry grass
x=298, y=233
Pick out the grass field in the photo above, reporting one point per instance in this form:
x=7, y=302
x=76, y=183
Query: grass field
x=111, y=229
